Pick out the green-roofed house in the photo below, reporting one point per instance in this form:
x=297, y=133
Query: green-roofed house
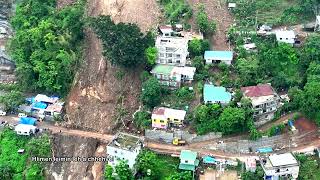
x=188, y=160
x=215, y=94
x=173, y=76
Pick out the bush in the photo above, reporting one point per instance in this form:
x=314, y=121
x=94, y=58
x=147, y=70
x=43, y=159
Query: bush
x=184, y=94
x=151, y=92
x=142, y=120
x=151, y=55
x=203, y=22
x=197, y=47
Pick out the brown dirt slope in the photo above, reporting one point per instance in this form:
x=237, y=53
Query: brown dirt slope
x=217, y=10
x=99, y=100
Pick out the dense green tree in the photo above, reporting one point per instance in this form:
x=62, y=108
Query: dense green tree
x=108, y=171
x=204, y=24
x=248, y=71
x=206, y=116
x=123, y=44
x=186, y=175
x=123, y=171
x=151, y=55
x=35, y=172
x=232, y=120
x=197, y=47
x=310, y=52
x=281, y=65
x=39, y=146
x=147, y=164
x=46, y=45
x=310, y=104
x=151, y=92
x=12, y=100
x=142, y=119
x=6, y=172
x=309, y=168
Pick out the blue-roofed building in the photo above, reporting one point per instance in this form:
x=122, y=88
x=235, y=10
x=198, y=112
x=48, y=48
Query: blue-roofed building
x=212, y=57
x=215, y=94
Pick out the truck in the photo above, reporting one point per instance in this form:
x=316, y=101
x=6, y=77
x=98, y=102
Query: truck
x=178, y=142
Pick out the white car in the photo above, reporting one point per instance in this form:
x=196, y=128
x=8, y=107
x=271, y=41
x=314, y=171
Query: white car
x=2, y=113
x=22, y=115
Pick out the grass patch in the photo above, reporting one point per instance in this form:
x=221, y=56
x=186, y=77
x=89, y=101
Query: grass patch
x=169, y=165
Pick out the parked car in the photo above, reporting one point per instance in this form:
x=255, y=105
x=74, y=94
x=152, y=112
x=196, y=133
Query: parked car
x=2, y=113
x=22, y=115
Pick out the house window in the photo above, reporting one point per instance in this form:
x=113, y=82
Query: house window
x=169, y=60
x=161, y=55
x=178, y=61
x=176, y=119
x=178, y=55
x=116, y=151
x=154, y=120
x=161, y=121
x=186, y=161
x=280, y=38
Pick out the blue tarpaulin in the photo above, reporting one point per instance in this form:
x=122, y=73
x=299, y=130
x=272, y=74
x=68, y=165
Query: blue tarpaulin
x=290, y=122
x=265, y=150
x=28, y=120
x=39, y=105
x=209, y=160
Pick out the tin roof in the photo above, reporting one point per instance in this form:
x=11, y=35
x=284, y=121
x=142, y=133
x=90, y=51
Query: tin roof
x=257, y=91
x=213, y=93
x=218, y=55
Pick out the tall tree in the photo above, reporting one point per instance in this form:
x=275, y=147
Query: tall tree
x=151, y=92
x=146, y=164
x=123, y=44
x=232, y=120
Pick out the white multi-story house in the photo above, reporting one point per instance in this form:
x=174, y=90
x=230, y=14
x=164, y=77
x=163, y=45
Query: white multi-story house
x=172, y=50
x=173, y=76
x=280, y=165
x=124, y=147
x=265, y=102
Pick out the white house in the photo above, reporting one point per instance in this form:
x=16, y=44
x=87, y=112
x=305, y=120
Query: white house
x=212, y=57
x=25, y=129
x=280, y=165
x=124, y=147
x=173, y=76
x=265, y=102
x=286, y=36
x=166, y=30
x=172, y=50
x=251, y=164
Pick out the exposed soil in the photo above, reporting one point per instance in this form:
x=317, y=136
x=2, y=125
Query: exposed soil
x=305, y=125
x=217, y=10
x=99, y=101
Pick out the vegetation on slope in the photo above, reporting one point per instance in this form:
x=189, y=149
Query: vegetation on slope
x=123, y=44
x=47, y=44
x=18, y=166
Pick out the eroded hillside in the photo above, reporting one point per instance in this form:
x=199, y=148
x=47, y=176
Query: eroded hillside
x=101, y=97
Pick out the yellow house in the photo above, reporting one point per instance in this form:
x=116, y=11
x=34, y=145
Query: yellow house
x=163, y=117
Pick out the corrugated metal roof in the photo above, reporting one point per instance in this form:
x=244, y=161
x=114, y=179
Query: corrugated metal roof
x=257, y=91
x=214, y=94
x=218, y=55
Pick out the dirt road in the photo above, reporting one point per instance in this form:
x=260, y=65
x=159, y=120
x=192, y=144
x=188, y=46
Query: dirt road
x=303, y=142
x=283, y=119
